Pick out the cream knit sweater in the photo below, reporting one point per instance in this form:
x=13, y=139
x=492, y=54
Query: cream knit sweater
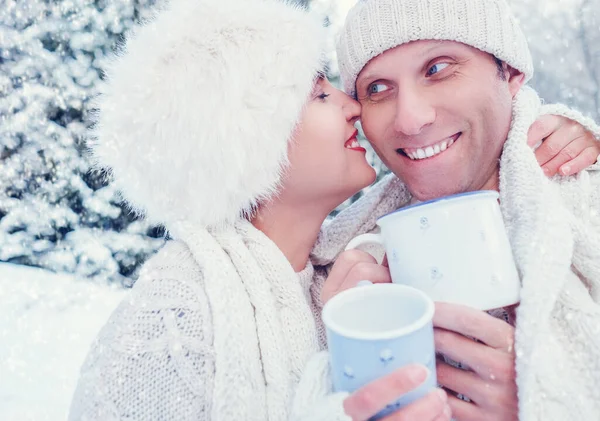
x=240, y=344
x=554, y=229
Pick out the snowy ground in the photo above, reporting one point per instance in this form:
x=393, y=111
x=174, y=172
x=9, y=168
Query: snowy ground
x=47, y=323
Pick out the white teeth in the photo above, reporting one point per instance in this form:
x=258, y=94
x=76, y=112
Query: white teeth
x=429, y=151
x=353, y=144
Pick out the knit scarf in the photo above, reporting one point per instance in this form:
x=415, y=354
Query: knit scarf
x=264, y=330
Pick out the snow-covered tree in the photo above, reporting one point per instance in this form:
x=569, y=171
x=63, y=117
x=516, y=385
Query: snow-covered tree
x=53, y=212
x=564, y=37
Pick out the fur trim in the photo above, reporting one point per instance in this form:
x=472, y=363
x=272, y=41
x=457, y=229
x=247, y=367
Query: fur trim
x=195, y=117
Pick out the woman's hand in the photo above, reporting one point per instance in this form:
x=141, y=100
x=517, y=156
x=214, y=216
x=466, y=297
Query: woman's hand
x=566, y=147
x=372, y=398
x=351, y=267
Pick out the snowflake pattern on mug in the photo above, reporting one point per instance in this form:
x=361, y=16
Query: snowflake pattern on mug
x=386, y=356
x=348, y=372
x=424, y=223
x=436, y=274
x=394, y=256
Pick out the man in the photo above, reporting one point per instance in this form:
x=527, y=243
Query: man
x=445, y=106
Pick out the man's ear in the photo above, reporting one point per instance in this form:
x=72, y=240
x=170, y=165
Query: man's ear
x=515, y=79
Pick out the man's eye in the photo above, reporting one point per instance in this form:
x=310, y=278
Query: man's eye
x=377, y=88
x=436, y=68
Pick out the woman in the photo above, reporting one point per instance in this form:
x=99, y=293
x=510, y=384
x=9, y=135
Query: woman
x=215, y=123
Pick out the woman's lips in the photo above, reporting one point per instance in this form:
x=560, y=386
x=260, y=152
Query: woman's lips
x=353, y=144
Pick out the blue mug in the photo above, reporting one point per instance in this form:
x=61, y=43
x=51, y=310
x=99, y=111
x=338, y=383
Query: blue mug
x=375, y=329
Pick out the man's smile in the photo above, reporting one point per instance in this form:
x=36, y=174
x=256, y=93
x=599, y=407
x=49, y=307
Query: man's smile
x=431, y=150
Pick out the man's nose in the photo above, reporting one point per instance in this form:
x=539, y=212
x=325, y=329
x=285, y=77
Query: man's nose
x=414, y=112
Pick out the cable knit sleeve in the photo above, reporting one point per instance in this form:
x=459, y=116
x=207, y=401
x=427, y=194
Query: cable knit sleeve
x=154, y=358
x=314, y=400
x=574, y=327
x=581, y=194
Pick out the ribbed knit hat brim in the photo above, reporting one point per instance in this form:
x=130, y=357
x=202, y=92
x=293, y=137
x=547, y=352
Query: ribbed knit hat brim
x=375, y=26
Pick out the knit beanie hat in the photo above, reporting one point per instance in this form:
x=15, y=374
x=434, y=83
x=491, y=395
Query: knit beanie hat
x=374, y=26
x=198, y=108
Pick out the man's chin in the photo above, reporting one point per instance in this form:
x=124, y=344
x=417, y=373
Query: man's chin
x=432, y=190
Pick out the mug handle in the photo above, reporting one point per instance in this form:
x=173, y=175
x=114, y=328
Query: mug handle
x=363, y=239
x=375, y=239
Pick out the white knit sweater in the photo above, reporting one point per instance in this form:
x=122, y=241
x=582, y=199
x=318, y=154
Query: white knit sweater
x=235, y=341
x=554, y=229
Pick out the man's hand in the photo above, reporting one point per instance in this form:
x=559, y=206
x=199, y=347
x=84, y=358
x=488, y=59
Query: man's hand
x=372, y=398
x=351, y=267
x=566, y=146
x=490, y=382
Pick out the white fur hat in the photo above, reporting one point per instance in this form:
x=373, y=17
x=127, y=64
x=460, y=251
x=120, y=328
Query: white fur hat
x=195, y=117
x=375, y=26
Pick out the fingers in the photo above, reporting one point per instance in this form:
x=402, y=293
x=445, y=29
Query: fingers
x=467, y=411
x=464, y=411
x=432, y=407
x=543, y=127
x=462, y=381
x=351, y=267
x=446, y=414
x=555, y=152
x=475, y=323
x=585, y=159
x=368, y=271
x=489, y=363
x=372, y=398
x=564, y=141
x=348, y=259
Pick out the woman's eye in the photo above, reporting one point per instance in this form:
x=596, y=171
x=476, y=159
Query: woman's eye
x=323, y=96
x=436, y=68
x=377, y=88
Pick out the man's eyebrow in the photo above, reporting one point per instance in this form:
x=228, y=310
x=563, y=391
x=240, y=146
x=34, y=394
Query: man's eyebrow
x=369, y=76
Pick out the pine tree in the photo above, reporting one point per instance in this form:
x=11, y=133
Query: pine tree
x=53, y=212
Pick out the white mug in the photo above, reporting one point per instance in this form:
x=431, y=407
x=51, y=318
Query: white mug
x=455, y=249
